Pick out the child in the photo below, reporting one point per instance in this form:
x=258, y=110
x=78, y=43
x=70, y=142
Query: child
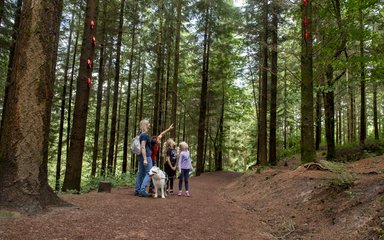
x=170, y=154
x=155, y=142
x=185, y=165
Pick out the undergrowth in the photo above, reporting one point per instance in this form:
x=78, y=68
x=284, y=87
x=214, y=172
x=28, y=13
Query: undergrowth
x=92, y=183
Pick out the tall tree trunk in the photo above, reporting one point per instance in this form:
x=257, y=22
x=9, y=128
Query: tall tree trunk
x=25, y=132
x=99, y=92
x=116, y=88
x=329, y=104
x=15, y=32
x=375, y=115
x=203, y=96
x=135, y=122
x=318, y=119
x=78, y=25
x=329, y=112
x=62, y=107
x=262, y=140
x=308, y=153
x=176, y=69
x=220, y=135
x=272, y=124
x=74, y=163
x=106, y=118
x=285, y=105
x=126, y=128
x=351, y=110
x=117, y=139
x=159, y=70
x=363, y=125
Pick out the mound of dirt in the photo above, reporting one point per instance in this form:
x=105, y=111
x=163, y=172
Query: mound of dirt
x=312, y=204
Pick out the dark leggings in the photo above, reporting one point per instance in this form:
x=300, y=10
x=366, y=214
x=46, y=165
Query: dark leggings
x=184, y=175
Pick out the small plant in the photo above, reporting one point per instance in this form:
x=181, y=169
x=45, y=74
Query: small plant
x=343, y=180
x=334, y=166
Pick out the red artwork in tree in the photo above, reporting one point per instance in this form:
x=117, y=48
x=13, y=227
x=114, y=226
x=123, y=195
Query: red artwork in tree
x=89, y=63
x=94, y=41
x=306, y=35
x=92, y=24
x=89, y=81
x=305, y=21
x=305, y=2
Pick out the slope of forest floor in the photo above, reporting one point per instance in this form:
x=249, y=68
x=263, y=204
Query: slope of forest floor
x=284, y=202
x=324, y=201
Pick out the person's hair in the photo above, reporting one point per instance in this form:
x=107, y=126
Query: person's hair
x=183, y=146
x=167, y=145
x=153, y=140
x=144, y=123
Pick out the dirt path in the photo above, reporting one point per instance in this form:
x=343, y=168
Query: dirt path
x=120, y=215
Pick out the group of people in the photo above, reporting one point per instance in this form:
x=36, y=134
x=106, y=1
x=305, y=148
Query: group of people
x=174, y=161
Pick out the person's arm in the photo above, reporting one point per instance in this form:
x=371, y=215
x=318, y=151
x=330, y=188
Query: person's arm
x=144, y=152
x=168, y=161
x=181, y=155
x=164, y=132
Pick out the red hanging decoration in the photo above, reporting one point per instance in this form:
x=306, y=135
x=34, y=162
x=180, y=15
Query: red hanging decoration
x=305, y=21
x=89, y=81
x=92, y=24
x=306, y=35
x=94, y=41
x=89, y=63
x=305, y=2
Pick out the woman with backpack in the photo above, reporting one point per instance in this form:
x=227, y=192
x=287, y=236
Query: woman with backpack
x=144, y=160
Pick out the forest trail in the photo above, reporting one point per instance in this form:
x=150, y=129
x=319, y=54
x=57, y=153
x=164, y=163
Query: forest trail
x=283, y=202
x=120, y=215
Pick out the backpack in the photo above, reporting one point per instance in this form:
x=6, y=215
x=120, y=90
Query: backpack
x=135, y=146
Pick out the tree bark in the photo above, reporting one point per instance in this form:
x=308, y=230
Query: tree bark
x=25, y=132
x=176, y=69
x=100, y=84
x=117, y=139
x=272, y=123
x=363, y=125
x=159, y=70
x=203, y=96
x=308, y=153
x=318, y=119
x=116, y=89
x=126, y=128
x=262, y=139
x=62, y=107
x=74, y=163
x=329, y=105
x=375, y=112
x=329, y=109
x=106, y=119
x=72, y=80
x=15, y=32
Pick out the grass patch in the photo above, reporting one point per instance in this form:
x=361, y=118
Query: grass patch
x=8, y=214
x=343, y=180
x=92, y=183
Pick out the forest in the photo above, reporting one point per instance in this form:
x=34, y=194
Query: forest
x=247, y=84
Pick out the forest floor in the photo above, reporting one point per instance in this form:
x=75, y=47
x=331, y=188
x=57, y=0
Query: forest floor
x=284, y=202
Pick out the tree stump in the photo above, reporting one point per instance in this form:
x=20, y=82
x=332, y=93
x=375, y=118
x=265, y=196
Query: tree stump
x=105, y=186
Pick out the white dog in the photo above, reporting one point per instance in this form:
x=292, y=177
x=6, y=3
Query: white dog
x=159, y=180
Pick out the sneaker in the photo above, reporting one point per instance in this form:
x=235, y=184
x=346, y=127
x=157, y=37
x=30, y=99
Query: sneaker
x=179, y=194
x=136, y=193
x=187, y=194
x=144, y=194
x=171, y=192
